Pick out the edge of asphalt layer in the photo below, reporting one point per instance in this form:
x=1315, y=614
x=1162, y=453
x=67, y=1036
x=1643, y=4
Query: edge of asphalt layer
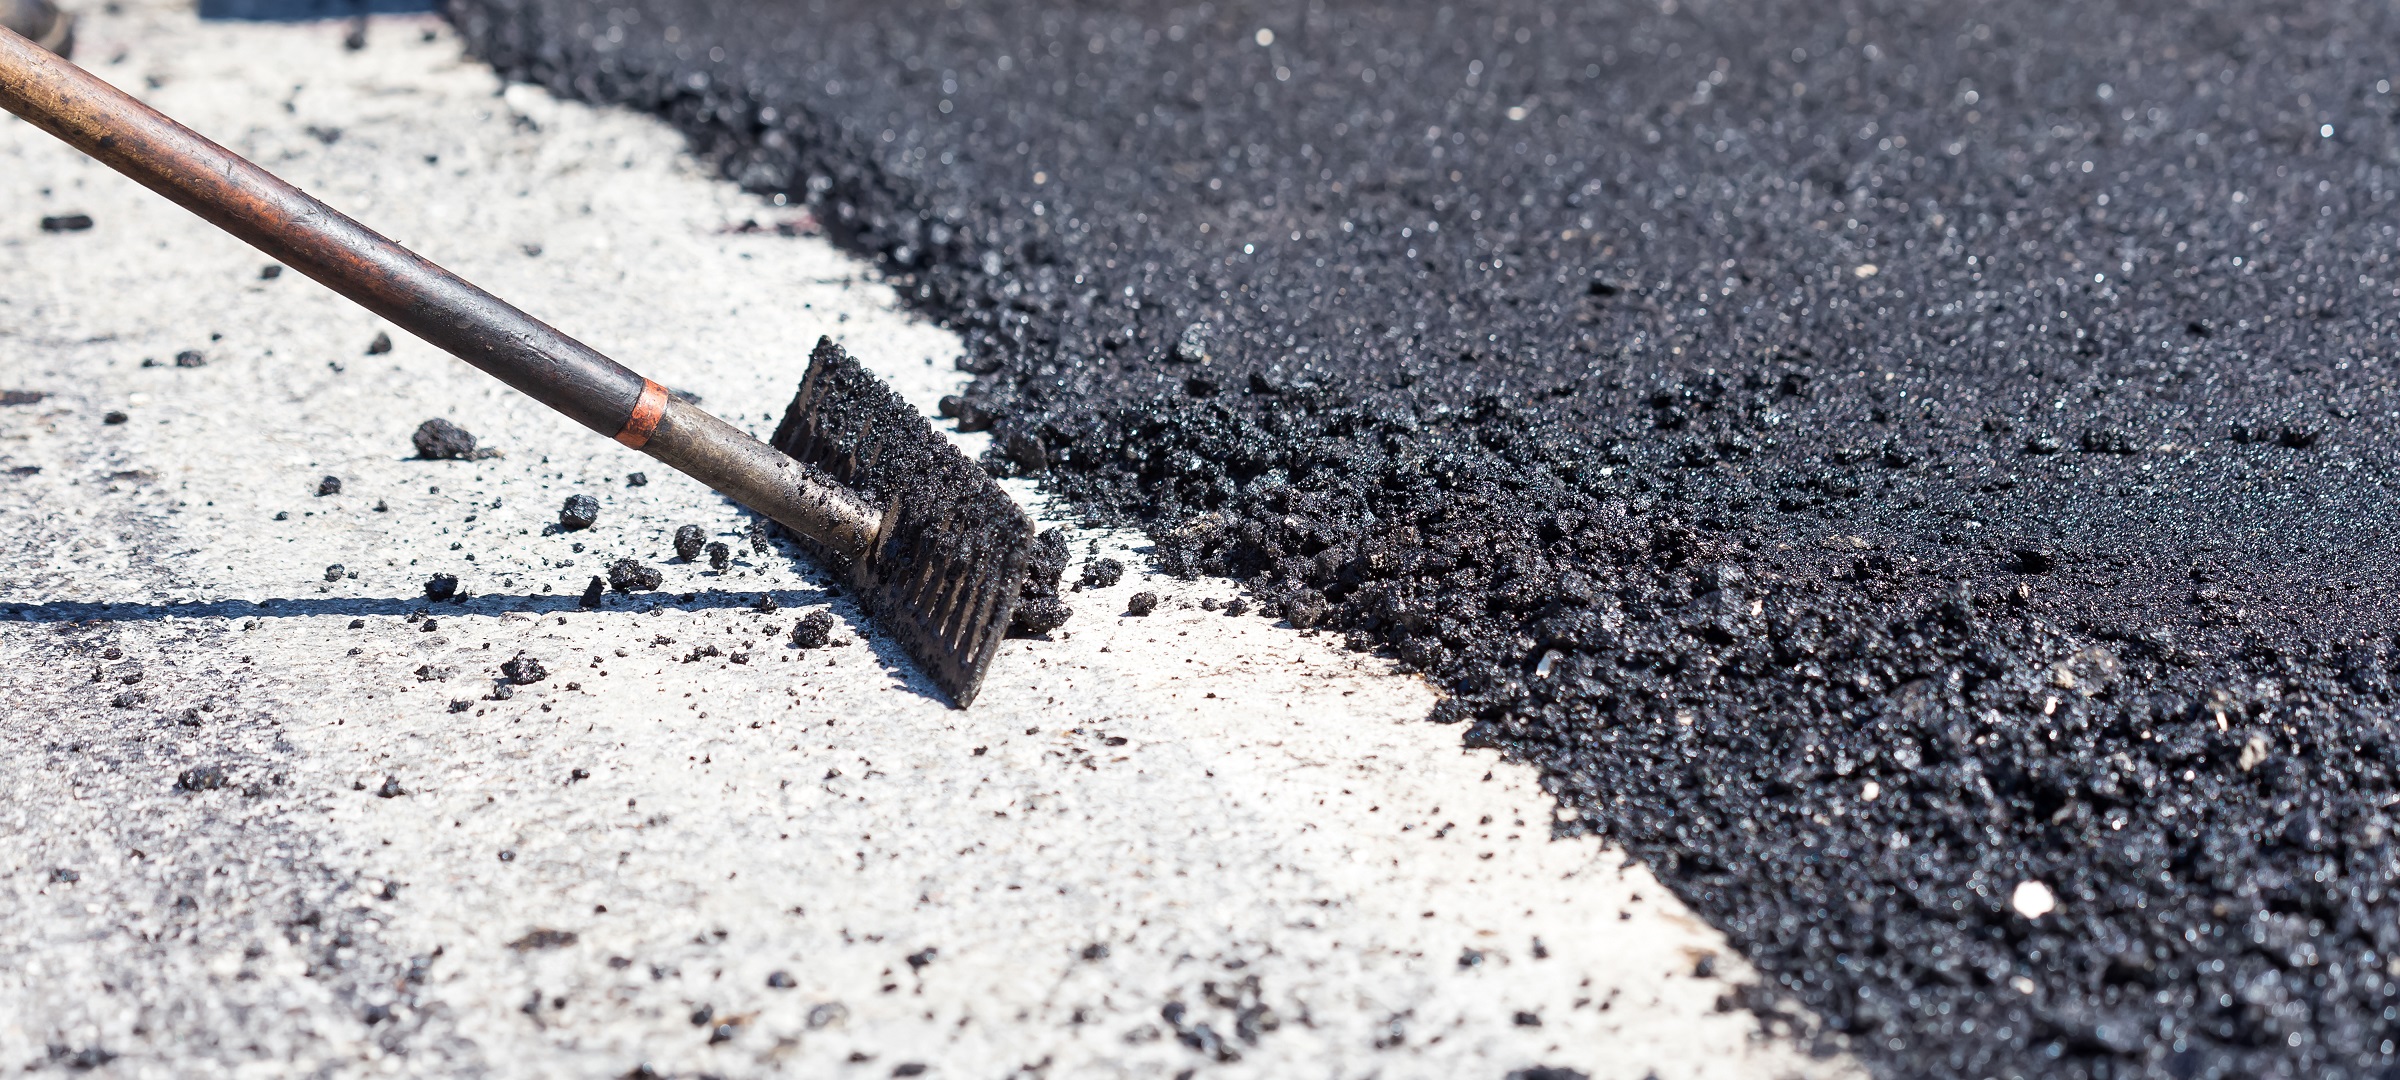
x=2029, y=725
x=279, y=816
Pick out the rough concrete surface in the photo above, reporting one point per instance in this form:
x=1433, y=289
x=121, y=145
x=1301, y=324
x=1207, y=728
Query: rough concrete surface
x=268, y=817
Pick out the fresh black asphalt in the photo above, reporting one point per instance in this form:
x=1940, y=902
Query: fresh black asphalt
x=1873, y=456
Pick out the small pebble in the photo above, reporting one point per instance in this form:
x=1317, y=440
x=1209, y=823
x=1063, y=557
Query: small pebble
x=591, y=594
x=113, y=416
x=66, y=223
x=813, y=630
x=381, y=345
x=1143, y=603
x=191, y=358
x=637, y=479
x=2033, y=899
x=440, y=440
x=578, y=513
x=441, y=587
x=688, y=541
x=331, y=485
x=719, y=556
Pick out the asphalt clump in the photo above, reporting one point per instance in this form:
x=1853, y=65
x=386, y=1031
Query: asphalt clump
x=1683, y=389
x=523, y=670
x=813, y=630
x=1039, y=607
x=1100, y=574
x=632, y=575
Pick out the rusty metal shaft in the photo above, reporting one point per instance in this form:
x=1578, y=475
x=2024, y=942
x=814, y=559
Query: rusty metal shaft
x=412, y=293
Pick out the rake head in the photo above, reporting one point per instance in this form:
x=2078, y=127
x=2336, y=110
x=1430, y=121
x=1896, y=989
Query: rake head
x=945, y=569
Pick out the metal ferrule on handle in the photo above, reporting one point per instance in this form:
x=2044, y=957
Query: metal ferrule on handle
x=412, y=293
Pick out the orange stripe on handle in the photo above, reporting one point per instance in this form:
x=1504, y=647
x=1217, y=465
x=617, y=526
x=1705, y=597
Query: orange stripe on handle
x=646, y=413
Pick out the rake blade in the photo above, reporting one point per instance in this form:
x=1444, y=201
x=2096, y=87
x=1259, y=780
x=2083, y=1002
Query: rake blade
x=946, y=568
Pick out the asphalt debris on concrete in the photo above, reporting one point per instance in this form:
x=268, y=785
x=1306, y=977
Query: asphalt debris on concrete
x=524, y=670
x=1039, y=607
x=813, y=630
x=633, y=575
x=1100, y=574
x=578, y=513
x=1871, y=462
x=440, y=440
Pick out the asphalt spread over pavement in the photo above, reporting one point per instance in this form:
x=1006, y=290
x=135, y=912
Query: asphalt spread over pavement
x=1921, y=476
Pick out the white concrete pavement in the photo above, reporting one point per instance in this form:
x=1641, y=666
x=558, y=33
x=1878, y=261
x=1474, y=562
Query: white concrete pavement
x=261, y=818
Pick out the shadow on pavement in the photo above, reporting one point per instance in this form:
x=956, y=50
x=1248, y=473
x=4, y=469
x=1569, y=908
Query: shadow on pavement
x=74, y=611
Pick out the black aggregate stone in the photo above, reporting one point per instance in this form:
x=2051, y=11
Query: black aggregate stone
x=579, y=512
x=439, y=440
x=1683, y=387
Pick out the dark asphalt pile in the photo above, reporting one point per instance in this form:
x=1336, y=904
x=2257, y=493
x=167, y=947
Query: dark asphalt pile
x=1873, y=457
